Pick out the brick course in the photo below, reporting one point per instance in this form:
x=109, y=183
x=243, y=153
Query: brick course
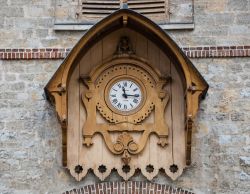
x=61, y=53
x=131, y=187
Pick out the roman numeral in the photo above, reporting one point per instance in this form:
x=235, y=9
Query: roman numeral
x=135, y=89
x=113, y=95
x=114, y=101
x=135, y=101
x=131, y=85
x=125, y=84
x=119, y=105
x=119, y=85
x=125, y=107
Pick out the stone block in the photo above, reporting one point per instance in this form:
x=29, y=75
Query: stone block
x=181, y=11
x=28, y=33
x=222, y=116
x=3, y=105
x=239, y=5
x=238, y=30
x=20, y=185
x=237, y=116
x=244, y=176
x=24, y=23
x=245, y=161
x=33, y=68
x=20, y=154
x=247, y=83
x=243, y=18
x=10, y=77
x=18, y=2
x=245, y=93
x=247, y=66
x=6, y=136
x=225, y=19
x=10, y=67
x=8, y=95
x=235, y=68
x=11, y=11
x=215, y=6
x=28, y=77
x=22, y=96
x=38, y=11
x=20, y=86
x=4, y=166
x=42, y=33
x=228, y=140
x=3, y=2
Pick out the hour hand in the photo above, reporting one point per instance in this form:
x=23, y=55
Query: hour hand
x=124, y=93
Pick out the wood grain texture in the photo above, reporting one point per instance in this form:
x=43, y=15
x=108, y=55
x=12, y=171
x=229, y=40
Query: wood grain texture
x=73, y=132
x=91, y=146
x=178, y=121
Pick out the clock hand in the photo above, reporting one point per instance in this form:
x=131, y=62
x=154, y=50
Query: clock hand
x=135, y=95
x=124, y=93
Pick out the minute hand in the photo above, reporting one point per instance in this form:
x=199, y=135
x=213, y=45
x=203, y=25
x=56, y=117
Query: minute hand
x=135, y=95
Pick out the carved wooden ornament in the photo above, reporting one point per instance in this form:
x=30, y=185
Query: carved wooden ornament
x=126, y=97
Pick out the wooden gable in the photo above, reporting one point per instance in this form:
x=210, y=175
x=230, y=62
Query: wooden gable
x=159, y=140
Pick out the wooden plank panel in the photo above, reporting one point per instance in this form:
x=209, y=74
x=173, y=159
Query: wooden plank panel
x=110, y=43
x=73, y=124
x=96, y=54
x=144, y=158
x=141, y=48
x=154, y=55
x=85, y=68
x=154, y=159
x=178, y=114
x=165, y=69
x=85, y=63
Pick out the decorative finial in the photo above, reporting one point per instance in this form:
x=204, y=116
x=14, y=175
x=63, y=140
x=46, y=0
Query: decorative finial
x=124, y=4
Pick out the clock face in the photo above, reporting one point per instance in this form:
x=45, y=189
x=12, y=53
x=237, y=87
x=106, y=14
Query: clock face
x=125, y=95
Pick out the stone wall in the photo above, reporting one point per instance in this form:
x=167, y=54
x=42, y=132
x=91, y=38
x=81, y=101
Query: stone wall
x=30, y=136
x=29, y=24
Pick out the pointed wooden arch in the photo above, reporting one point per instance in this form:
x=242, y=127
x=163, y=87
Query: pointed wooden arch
x=194, y=84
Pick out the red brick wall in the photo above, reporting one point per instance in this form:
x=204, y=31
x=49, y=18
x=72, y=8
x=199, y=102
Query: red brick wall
x=61, y=53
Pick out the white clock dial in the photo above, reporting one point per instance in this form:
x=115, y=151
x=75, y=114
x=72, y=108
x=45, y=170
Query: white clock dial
x=125, y=95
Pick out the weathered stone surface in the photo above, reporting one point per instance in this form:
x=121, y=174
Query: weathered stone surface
x=30, y=136
x=239, y=5
x=245, y=161
x=11, y=11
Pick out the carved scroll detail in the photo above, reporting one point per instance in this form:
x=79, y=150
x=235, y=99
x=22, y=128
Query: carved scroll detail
x=156, y=100
x=126, y=145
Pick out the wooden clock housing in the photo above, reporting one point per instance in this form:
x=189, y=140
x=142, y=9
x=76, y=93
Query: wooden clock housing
x=157, y=135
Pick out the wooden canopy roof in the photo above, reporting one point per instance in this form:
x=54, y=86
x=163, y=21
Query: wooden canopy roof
x=195, y=85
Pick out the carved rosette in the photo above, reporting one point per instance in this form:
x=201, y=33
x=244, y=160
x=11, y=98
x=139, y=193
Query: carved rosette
x=126, y=146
